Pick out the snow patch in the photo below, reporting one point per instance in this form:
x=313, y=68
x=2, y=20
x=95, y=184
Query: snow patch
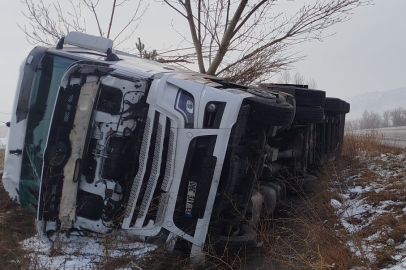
x=358, y=211
x=81, y=252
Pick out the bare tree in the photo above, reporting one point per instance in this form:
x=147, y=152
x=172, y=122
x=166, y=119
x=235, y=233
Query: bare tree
x=352, y=124
x=312, y=83
x=299, y=78
x=284, y=77
x=398, y=117
x=241, y=40
x=245, y=40
x=370, y=120
x=395, y=118
x=386, y=119
x=47, y=23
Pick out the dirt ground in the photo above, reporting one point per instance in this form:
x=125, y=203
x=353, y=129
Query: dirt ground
x=16, y=224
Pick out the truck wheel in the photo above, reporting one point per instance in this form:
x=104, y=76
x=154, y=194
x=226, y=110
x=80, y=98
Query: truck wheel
x=246, y=241
x=309, y=114
x=310, y=97
x=344, y=107
x=271, y=111
x=303, y=96
x=333, y=105
x=347, y=107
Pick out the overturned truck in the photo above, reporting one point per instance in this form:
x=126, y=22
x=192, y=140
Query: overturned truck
x=102, y=141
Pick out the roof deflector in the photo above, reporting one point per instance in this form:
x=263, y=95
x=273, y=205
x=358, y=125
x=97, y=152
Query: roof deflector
x=85, y=41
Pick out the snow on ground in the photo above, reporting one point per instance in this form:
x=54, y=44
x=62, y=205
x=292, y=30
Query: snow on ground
x=78, y=252
x=3, y=135
x=373, y=211
x=82, y=252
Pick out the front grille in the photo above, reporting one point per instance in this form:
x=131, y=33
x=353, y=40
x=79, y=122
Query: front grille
x=153, y=177
x=168, y=171
x=137, y=181
x=155, y=170
x=163, y=202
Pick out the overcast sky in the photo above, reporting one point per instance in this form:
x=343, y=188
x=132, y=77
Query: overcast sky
x=366, y=54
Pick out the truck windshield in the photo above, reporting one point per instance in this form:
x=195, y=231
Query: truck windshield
x=41, y=107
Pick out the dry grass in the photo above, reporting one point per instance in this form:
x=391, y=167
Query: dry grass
x=382, y=168
x=301, y=235
x=305, y=237
x=304, y=233
x=309, y=234
x=16, y=224
x=367, y=144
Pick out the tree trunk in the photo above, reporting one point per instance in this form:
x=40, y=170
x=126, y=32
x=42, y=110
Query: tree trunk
x=225, y=41
x=196, y=42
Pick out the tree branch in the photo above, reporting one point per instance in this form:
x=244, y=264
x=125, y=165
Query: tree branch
x=111, y=18
x=93, y=9
x=133, y=19
x=225, y=41
x=195, y=39
x=246, y=17
x=172, y=6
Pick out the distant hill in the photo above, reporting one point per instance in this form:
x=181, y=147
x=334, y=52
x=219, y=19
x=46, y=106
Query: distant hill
x=377, y=102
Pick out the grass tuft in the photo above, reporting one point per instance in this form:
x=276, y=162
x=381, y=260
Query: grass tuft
x=305, y=232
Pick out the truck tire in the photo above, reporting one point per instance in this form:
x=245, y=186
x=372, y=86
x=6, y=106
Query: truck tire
x=303, y=96
x=347, y=107
x=334, y=105
x=268, y=108
x=245, y=242
x=310, y=97
x=309, y=114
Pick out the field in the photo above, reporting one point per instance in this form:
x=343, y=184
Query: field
x=354, y=218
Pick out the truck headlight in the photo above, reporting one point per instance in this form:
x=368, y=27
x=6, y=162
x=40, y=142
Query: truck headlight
x=185, y=104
